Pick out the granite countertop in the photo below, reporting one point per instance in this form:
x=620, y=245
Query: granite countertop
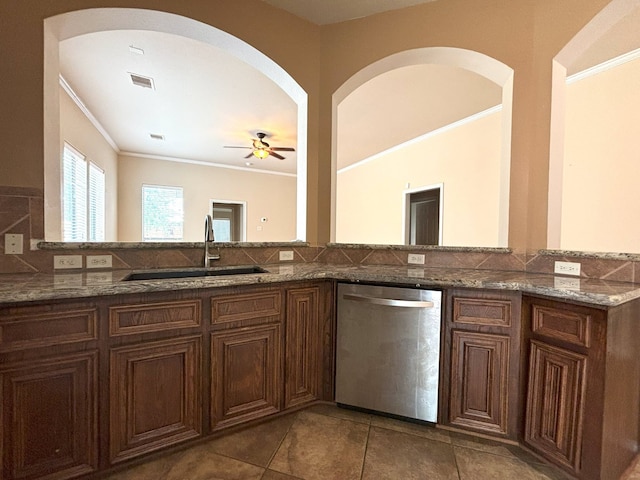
x=16, y=288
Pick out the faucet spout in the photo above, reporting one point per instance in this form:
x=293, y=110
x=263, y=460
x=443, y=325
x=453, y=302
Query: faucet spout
x=209, y=237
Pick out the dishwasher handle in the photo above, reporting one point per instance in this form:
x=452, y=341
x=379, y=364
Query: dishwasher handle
x=389, y=302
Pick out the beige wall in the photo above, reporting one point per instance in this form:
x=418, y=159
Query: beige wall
x=466, y=159
x=601, y=174
x=77, y=130
x=270, y=196
x=525, y=35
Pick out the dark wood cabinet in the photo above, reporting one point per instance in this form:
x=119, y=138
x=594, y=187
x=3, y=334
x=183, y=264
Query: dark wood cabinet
x=555, y=403
x=49, y=417
x=155, y=396
x=481, y=378
x=303, y=346
x=479, y=381
x=583, y=387
x=246, y=354
x=245, y=374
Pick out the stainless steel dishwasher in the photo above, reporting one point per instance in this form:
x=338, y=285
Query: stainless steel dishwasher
x=388, y=350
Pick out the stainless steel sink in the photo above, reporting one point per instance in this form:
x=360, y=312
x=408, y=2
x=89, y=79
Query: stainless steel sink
x=202, y=272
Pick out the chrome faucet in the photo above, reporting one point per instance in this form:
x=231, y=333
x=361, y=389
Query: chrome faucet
x=208, y=237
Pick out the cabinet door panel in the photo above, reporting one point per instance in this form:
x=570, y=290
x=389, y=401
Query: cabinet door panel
x=155, y=396
x=245, y=370
x=303, y=341
x=555, y=403
x=56, y=438
x=479, y=382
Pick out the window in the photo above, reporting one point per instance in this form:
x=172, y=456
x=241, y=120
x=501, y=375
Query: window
x=83, y=198
x=162, y=213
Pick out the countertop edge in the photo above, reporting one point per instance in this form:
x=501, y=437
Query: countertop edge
x=25, y=288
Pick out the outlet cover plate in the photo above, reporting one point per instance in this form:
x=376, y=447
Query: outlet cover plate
x=67, y=261
x=415, y=259
x=286, y=255
x=99, y=261
x=567, y=268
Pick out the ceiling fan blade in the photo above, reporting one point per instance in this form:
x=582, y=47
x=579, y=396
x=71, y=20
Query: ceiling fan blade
x=284, y=149
x=274, y=154
x=250, y=155
x=233, y=146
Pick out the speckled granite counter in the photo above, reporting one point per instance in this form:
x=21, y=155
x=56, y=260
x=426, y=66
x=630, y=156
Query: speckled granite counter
x=36, y=287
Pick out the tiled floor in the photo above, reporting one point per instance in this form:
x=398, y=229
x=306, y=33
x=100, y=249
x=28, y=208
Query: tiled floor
x=325, y=442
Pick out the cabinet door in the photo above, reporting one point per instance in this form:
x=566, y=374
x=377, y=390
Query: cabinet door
x=49, y=419
x=245, y=374
x=303, y=342
x=155, y=398
x=555, y=403
x=479, y=381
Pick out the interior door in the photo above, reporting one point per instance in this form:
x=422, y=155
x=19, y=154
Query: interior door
x=424, y=217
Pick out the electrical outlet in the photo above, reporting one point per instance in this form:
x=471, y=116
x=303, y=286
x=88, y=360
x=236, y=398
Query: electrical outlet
x=67, y=261
x=567, y=268
x=415, y=259
x=286, y=255
x=99, y=261
x=13, y=243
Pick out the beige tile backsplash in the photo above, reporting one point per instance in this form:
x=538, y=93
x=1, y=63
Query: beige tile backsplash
x=22, y=211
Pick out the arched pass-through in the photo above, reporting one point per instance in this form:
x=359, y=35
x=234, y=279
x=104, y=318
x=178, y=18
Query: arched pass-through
x=490, y=68
x=71, y=24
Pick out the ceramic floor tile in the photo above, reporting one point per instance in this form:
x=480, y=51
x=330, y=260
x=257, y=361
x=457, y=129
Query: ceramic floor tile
x=319, y=447
x=344, y=413
x=477, y=465
x=255, y=445
x=199, y=463
x=483, y=444
x=426, y=431
x=273, y=475
x=152, y=470
x=395, y=455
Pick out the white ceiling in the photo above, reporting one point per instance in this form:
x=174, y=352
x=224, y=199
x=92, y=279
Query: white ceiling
x=206, y=98
x=322, y=12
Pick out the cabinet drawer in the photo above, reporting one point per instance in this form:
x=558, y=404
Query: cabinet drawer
x=153, y=317
x=566, y=325
x=482, y=311
x=32, y=330
x=250, y=308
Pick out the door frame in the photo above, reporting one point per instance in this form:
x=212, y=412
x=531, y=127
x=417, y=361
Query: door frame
x=406, y=201
x=243, y=219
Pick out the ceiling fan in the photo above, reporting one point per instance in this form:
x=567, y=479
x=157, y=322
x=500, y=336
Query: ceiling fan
x=261, y=149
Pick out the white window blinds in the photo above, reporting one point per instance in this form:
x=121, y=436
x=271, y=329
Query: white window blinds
x=83, y=198
x=162, y=213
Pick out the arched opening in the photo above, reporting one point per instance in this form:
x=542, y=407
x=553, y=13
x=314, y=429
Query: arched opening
x=469, y=63
x=593, y=174
x=73, y=24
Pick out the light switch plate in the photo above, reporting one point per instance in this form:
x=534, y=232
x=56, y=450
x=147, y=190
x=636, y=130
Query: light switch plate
x=13, y=243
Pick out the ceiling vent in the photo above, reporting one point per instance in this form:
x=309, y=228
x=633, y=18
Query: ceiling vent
x=140, y=81
x=156, y=136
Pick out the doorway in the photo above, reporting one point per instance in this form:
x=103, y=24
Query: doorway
x=228, y=221
x=423, y=217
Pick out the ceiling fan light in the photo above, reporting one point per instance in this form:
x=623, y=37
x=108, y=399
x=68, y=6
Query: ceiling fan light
x=261, y=153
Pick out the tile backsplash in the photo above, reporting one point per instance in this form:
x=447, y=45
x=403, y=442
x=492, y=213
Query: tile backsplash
x=22, y=212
